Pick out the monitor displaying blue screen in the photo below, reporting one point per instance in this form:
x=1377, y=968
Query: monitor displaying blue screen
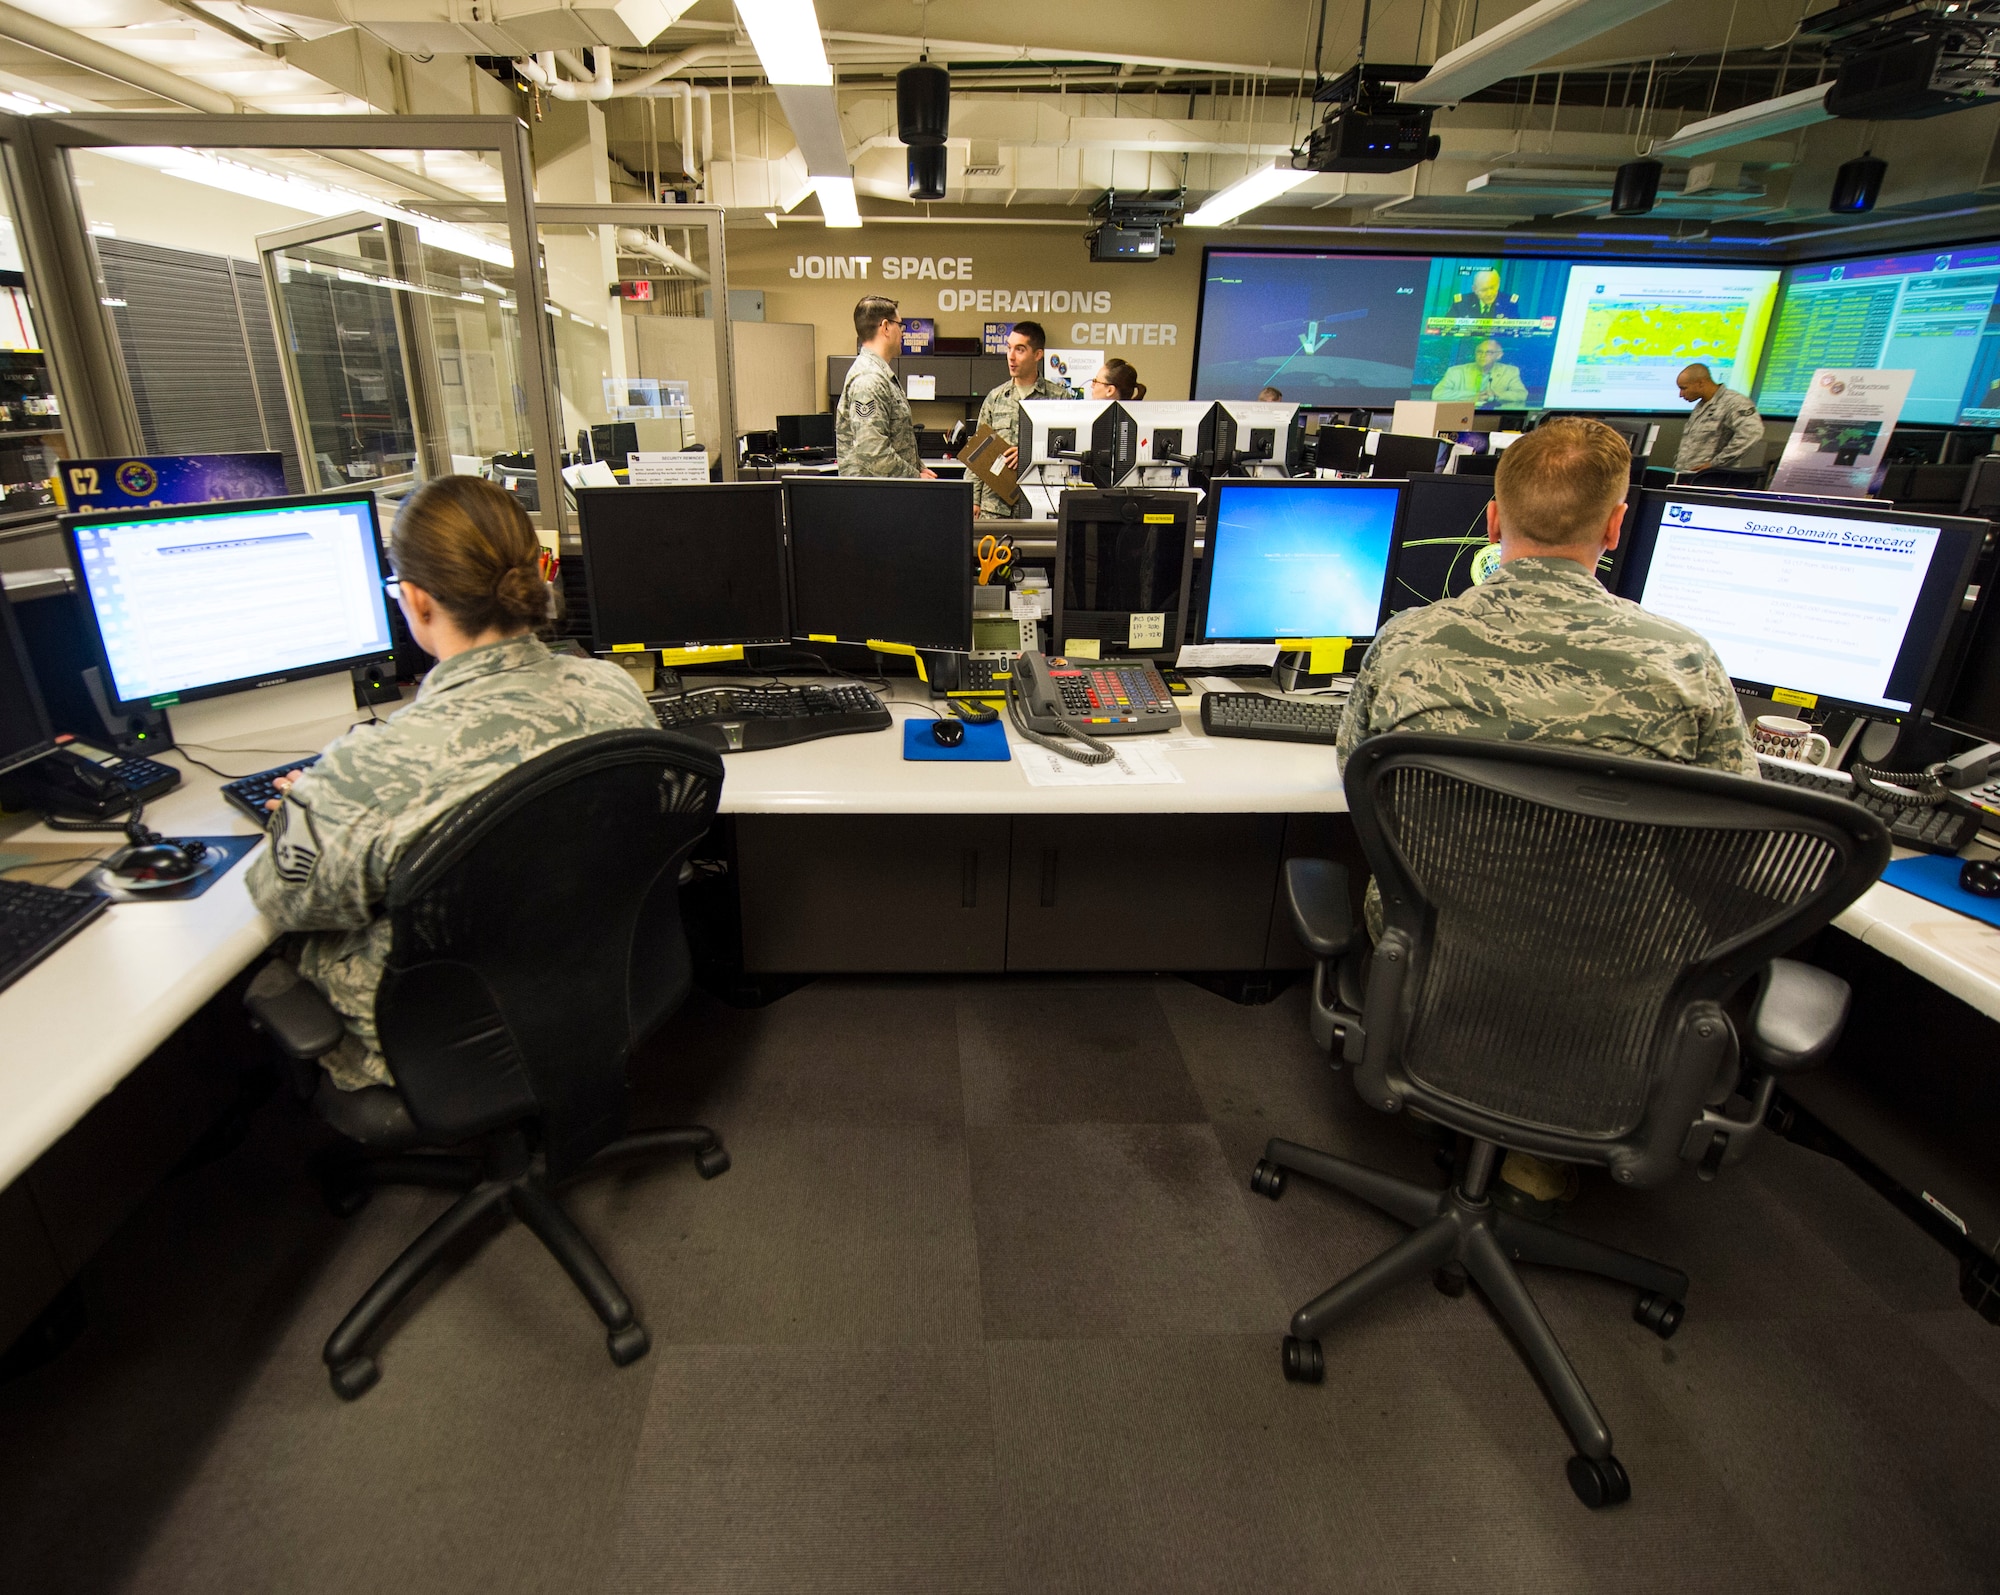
x=1933, y=313
x=1297, y=560
x=1494, y=332
x=203, y=599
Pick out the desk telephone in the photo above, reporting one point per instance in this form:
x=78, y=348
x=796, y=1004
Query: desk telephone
x=1049, y=698
x=81, y=783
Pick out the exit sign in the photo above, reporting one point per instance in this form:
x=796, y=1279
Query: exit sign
x=640, y=288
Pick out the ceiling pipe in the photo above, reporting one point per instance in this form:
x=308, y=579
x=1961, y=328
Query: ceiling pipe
x=632, y=241
x=543, y=71
x=49, y=38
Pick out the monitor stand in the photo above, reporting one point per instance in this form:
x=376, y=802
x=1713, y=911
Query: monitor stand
x=258, y=720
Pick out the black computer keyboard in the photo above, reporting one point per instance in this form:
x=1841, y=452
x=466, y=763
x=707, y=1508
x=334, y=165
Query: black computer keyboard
x=251, y=792
x=36, y=920
x=1939, y=828
x=744, y=719
x=1253, y=714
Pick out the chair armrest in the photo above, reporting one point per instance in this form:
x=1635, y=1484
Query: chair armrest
x=1316, y=893
x=292, y=1012
x=1797, y=1017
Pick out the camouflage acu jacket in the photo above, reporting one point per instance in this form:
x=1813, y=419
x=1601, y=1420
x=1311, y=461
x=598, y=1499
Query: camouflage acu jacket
x=1725, y=432
x=1540, y=652
x=337, y=836
x=872, y=431
x=1001, y=410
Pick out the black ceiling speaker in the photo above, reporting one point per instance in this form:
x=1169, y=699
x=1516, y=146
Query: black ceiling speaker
x=1856, y=184
x=923, y=104
x=1635, y=188
x=927, y=171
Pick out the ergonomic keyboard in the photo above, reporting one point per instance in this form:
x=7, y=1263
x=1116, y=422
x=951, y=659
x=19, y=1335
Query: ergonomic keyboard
x=1255, y=714
x=745, y=719
x=251, y=792
x=36, y=920
x=1937, y=828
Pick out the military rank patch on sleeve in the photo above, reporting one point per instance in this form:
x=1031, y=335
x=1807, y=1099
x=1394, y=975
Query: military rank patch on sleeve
x=294, y=844
x=864, y=406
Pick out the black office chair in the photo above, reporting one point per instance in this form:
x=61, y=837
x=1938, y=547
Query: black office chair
x=1718, y=477
x=536, y=940
x=1561, y=932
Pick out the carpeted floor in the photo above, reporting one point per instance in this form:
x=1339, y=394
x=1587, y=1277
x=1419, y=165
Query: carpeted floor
x=986, y=1304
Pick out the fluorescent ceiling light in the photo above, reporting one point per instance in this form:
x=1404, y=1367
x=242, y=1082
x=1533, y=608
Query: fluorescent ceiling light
x=1762, y=119
x=1260, y=187
x=1522, y=42
x=786, y=34
x=836, y=201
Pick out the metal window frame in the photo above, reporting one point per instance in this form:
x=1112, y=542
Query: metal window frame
x=54, y=229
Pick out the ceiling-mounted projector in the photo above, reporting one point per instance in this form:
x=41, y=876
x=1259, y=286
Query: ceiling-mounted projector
x=1900, y=62
x=1365, y=128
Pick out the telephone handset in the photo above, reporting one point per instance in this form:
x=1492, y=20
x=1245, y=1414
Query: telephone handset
x=1035, y=710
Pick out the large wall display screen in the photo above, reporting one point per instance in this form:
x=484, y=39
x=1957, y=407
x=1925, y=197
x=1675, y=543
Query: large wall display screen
x=1499, y=334
x=1932, y=313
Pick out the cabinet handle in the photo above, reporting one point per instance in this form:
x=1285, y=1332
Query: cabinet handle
x=1049, y=877
x=968, y=890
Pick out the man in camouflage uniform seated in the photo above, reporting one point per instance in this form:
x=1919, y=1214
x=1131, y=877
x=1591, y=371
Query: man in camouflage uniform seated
x=872, y=431
x=472, y=592
x=1540, y=652
x=1001, y=410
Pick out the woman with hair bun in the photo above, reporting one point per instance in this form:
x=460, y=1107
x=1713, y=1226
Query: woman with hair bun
x=468, y=579
x=1116, y=379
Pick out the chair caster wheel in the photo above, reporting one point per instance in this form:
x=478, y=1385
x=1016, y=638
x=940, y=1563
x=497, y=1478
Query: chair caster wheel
x=345, y=1200
x=712, y=1162
x=1267, y=1179
x=1599, y=1484
x=1661, y=1314
x=1304, y=1362
x=1450, y=1280
x=628, y=1343
x=354, y=1378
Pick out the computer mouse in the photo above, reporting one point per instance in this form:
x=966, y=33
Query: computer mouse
x=151, y=863
x=947, y=733
x=1981, y=877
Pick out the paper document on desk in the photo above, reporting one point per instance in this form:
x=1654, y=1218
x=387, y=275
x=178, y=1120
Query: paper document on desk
x=1134, y=764
x=1227, y=655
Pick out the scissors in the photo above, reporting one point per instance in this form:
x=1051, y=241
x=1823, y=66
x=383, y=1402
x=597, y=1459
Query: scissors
x=992, y=553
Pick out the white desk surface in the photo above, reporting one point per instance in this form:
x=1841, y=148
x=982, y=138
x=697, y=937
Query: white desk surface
x=1958, y=954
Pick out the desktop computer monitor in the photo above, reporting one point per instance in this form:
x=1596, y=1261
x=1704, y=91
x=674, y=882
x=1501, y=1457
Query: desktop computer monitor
x=199, y=600
x=813, y=431
x=881, y=561
x=1268, y=432
x=1971, y=702
x=1833, y=605
x=1400, y=455
x=700, y=565
x=1439, y=535
x=25, y=733
x=1341, y=448
x=1124, y=563
x=1096, y=436
x=1196, y=433
x=1297, y=559
x=611, y=441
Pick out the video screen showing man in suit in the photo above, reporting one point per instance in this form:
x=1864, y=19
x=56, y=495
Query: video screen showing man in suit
x=1486, y=380
x=1488, y=331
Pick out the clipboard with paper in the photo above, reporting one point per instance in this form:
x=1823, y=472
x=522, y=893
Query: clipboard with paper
x=982, y=454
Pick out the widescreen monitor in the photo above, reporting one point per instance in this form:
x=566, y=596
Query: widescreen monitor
x=700, y=565
x=1499, y=333
x=1823, y=605
x=1440, y=541
x=1297, y=559
x=1932, y=312
x=1400, y=454
x=881, y=561
x=814, y=431
x=200, y=600
x=1971, y=703
x=25, y=733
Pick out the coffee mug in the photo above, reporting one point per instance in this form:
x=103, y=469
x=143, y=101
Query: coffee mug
x=1785, y=738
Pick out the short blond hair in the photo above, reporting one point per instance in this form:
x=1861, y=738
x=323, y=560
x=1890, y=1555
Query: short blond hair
x=1556, y=486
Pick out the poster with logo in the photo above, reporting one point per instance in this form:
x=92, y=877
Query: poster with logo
x=997, y=333
x=147, y=480
x=919, y=335
x=1839, y=442
x=1073, y=368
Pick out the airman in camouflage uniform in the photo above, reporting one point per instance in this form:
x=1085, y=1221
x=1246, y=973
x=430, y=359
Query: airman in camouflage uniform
x=345, y=822
x=872, y=431
x=1001, y=409
x=1725, y=432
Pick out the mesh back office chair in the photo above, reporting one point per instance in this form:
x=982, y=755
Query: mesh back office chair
x=1562, y=929
x=536, y=939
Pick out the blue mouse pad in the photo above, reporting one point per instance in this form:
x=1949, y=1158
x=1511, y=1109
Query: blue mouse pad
x=223, y=853
x=985, y=744
x=1935, y=879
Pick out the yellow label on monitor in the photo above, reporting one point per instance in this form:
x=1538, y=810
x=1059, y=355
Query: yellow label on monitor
x=698, y=656
x=628, y=647
x=1328, y=654
x=1080, y=648
x=820, y=636
x=1804, y=700
x=904, y=649
x=1157, y=520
